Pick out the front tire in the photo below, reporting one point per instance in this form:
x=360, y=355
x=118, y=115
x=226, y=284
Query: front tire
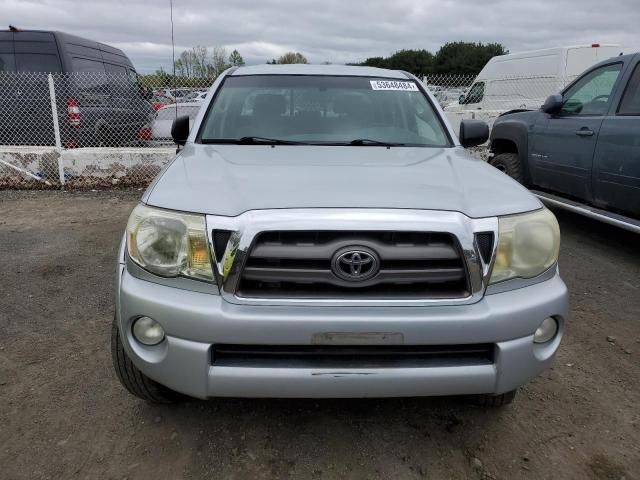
x=510, y=164
x=136, y=382
x=496, y=401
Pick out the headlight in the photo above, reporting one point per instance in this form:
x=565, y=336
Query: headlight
x=528, y=245
x=169, y=244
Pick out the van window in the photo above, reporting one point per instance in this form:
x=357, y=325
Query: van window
x=476, y=93
x=591, y=94
x=86, y=65
x=36, y=62
x=92, y=73
x=7, y=59
x=7, y=62
x=630, y=104
x=115, y=69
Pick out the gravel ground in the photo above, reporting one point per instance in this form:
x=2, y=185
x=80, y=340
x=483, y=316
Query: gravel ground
x=63, y=414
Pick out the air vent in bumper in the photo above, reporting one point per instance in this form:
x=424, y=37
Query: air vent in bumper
x=383, y=356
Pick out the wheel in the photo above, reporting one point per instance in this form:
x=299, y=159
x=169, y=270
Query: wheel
x=510, y=164
x=134, y=380
x=493, y=401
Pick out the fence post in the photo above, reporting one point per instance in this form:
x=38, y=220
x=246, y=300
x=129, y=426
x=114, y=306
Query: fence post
x=56, y=128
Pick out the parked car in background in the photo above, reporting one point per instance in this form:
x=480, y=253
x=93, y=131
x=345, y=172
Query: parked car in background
x=161, y=125
x=322, y=232
x=582, y=148
x=99, y=100
x=523, y=80
x=195, y=97
x=159, y=101
x=181, y=94
x=165, y=92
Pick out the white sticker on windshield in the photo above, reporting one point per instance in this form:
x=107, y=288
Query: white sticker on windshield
x=393, y=85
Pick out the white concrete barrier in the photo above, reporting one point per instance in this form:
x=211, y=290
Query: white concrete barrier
x=56, y=165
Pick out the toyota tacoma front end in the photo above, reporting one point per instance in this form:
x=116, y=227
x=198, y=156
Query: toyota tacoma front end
x=323, y=233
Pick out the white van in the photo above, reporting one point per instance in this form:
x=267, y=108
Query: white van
x=524, y=80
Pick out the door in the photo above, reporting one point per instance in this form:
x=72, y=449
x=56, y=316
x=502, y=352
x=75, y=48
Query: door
x=563, y=144
x=91, y=91
x=616, y=165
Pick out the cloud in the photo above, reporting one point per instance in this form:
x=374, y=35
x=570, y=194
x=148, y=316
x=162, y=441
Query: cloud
x=337, y=31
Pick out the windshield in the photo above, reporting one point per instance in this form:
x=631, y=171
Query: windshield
x=325, y=110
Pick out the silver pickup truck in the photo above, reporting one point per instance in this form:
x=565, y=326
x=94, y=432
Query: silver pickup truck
x=323, y=233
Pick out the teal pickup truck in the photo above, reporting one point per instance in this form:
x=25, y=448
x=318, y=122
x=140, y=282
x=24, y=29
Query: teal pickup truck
x=581, y=150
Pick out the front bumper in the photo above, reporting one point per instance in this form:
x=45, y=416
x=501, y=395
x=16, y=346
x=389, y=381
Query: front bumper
x=194, y=322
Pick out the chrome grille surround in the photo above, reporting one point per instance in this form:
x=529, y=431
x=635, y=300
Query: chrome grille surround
x=245, y=228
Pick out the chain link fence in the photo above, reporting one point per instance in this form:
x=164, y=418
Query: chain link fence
x=91, y=130
x=88, y=130
x=465, y=97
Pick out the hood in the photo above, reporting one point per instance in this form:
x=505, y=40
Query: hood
x=231, y=179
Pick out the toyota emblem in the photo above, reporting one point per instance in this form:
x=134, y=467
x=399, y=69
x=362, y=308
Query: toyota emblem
x=355, y=264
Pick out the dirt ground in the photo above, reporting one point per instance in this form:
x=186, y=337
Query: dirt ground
x=63, y=414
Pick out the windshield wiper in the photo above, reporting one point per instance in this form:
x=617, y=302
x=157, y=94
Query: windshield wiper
x=251, y=141
x=269, y=141
x=367, y=141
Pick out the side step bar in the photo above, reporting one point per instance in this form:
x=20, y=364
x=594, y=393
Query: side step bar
x=602, y=215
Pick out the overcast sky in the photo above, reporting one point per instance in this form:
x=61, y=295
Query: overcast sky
x=336, y=31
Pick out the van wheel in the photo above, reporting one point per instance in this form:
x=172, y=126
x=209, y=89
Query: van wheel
x=134, y=380
x=510, y=164
x=493, y=401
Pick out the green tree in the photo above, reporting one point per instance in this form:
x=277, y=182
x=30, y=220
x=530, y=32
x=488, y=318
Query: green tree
x=465, y=58
x=218, y=61
x=418, y=62
x=454, y=57
x=236, y=59
x=292, y=57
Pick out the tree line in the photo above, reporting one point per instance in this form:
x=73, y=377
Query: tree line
x=461, y=58
x=199, y=63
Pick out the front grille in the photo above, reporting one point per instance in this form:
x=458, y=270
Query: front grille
x=301, y=265
x=330, y=356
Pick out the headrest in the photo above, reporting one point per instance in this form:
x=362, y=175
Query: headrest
x=352, y=104
x=269, y=104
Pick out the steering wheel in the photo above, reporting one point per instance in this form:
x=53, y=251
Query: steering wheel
x=595, y=106
x=377, y=125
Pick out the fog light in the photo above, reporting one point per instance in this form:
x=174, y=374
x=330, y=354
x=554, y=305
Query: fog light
x=147, y=331
x=546, y=331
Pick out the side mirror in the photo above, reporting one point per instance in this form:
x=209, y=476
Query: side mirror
x=461, y=98
x=473, y=133
x=180, y=130
x=552, y=104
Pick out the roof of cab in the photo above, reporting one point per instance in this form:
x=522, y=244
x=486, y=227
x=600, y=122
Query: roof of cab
x=304, y=69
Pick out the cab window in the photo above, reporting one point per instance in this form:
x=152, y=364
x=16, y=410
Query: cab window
x=591, y=94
